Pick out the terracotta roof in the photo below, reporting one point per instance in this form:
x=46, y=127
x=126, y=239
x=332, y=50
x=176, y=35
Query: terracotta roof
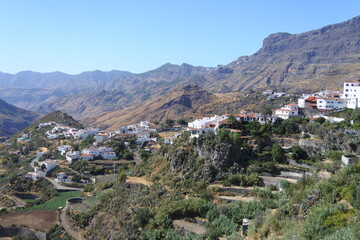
x=353, y=81
x=251, y=115
x=291, y=104
x=223, y=122
x=284, y=109
x=86, y=155
x=154, y=126
x=310, y=99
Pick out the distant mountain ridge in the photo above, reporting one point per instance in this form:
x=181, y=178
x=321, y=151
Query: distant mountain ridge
x=28, y=89
x=295, y=63
x=57, y=80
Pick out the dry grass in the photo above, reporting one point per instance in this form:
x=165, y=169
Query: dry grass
x=138, y=180
x=38, y=220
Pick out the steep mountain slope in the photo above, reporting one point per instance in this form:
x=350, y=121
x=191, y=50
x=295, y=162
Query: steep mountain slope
x=179, y=103
x=313, y=60
x=14, y=119
x=117, y=94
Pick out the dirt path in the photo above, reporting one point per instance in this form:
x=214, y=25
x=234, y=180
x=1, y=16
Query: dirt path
x=68, y=226
x=18, y=201
x=60, y=187
x=189, y=227
x=138, y=180
x=236, y=198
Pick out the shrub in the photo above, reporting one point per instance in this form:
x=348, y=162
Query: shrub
x=191, y=207
x=334, y=155
x=143, y=216
x=278, y=154
x=244, y=180
x=237, y=211
x=89, y=188
x=224, y=225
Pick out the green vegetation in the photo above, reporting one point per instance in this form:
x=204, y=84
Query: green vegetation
x=238, y=154
x=59, y=200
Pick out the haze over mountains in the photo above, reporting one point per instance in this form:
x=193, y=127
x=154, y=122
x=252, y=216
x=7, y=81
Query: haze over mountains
x=14, y=119
x=304, y=62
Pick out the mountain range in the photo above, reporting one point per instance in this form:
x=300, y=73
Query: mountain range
x=295, y=63
x=14, y=119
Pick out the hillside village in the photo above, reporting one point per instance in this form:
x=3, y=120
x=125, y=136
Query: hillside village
x=141, y=133
x=264, y=146
x=289, y=143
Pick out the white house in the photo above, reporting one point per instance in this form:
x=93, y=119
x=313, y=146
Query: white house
x=62, y=177
x=170, y=140
x=92, y=151
x=24, y=137
x=349, y=160
x=145, y=124
x=44, y=168
x=87, y=157
x=288, y=111
x=104, y=152
x=51, y=135
x=64, y=148
x=72, y=156
x=41, y=125
x=100, y=137
x=143, y=137
x=329, y=103
x=108, y=155
x=206, y=122
x=352, y=93
x=49, y=165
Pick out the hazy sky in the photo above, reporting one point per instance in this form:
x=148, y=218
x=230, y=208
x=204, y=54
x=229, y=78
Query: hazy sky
x=139, y=35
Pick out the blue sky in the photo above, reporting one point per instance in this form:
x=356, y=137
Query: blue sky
x=139, y=35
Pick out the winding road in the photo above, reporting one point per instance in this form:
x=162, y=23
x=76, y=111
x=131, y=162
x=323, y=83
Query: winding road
x=68, y=225
x=60, y=187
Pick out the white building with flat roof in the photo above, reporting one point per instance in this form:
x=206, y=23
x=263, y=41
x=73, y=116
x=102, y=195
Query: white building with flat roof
x=329, y=103
x=288, y=111
x=352, y=93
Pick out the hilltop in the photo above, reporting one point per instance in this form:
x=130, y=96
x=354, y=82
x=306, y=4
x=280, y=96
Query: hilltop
x=183, y=101
x=59, y=117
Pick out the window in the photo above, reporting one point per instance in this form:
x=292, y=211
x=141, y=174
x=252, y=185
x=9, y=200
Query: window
x=347, y=84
